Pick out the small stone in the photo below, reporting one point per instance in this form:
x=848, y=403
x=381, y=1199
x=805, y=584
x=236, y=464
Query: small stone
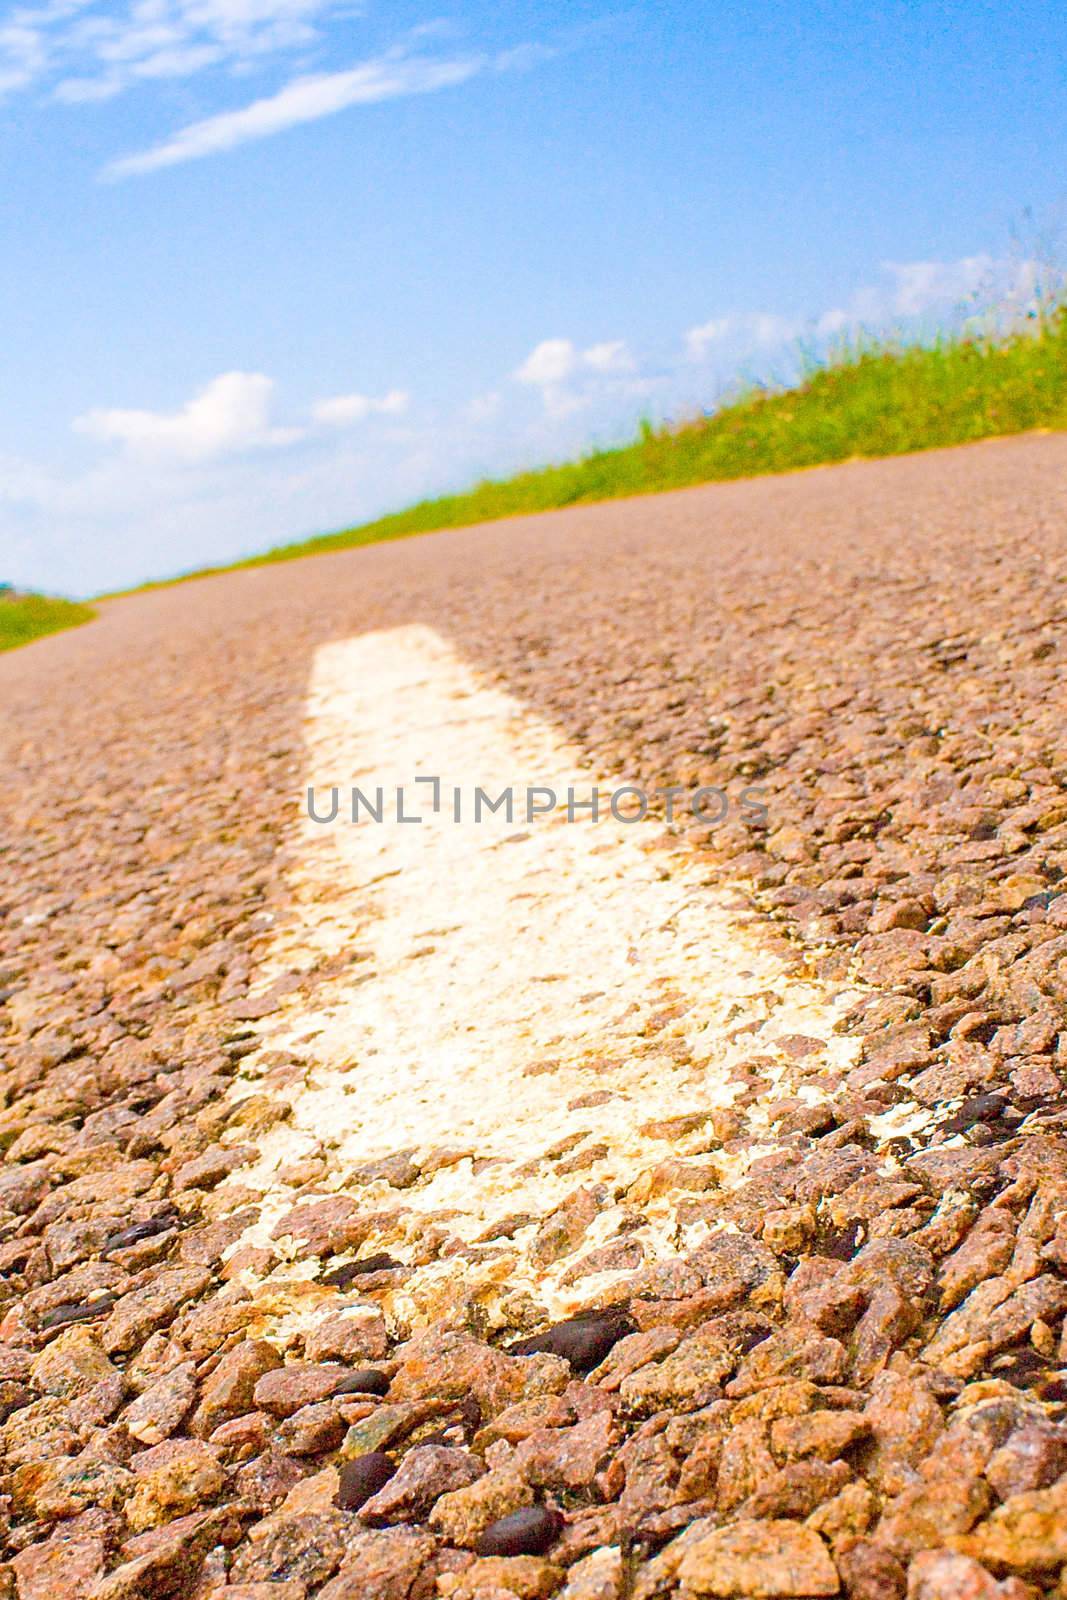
x=383, y=1564
x=756, y=1559
x=311, y=1430
x=463, y=1516
x=597, y=1576
x=583, y=1340
x=454, y=1365
x=568, y=1458
x=362, y=1478
x=564, y=1228
x=159, y=1411
x=343, y=1277
x=62, y=1568
x=77, y=1311
x=243, y=1437
x=164, y=1560
x=792, y=1353
x=940, y=1575
x=284, y=1390
x=502, y=1578
x=137, y=1232
x=305, y=1545
x=229, y=1391
x=870, y=1572
x=183, y=1483
x=356, y=1334
x=1027, y=1533
x=265, y=1480
x=365, y=1380
x=529, y=1531
x=71, y=1365
x=825, y=1435
x=426, y=1473
x=797, y=1490
x=65, y=1486
x=141, y=1312
x=1032, y=1457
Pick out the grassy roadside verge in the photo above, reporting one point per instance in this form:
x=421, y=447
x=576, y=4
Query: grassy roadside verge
x=866, y=400
x=30, y=616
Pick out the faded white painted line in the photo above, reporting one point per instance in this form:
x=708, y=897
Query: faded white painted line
x=505, y=979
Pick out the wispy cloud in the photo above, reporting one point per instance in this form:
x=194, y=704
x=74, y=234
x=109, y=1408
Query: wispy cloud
x=342, y=410
x=699, y=340
x=911, y=289
x=306, y=99
x=86, y=50
x=905, y=292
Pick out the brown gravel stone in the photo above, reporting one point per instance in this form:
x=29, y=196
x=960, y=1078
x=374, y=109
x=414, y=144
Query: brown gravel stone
x=463, y=1515
x=64, y=1567
x=382, y=1564
x=868, y=1571
x=426, y=1473
x=940, y=1575
x=759, y=1558
x=144, y=1310
x=229, y=1391
x=525, y=1577
x=282, y=1390
x=160, y=1409
x=185, y=1481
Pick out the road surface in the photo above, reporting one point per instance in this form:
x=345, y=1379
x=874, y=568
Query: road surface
x=769, y=1091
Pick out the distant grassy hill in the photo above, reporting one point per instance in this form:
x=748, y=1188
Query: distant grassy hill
x=866, y=399
x=27, y=616
x=870, y=398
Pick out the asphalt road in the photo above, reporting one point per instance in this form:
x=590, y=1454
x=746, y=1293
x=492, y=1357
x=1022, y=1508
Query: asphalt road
x=840, y=1361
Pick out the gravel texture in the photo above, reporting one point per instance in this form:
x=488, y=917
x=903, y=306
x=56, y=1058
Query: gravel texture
x=854, y=1380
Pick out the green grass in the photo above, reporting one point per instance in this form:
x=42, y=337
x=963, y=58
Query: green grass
x=867, y=399
x=29, y=616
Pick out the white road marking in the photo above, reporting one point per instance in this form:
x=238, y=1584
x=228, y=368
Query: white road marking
x=503, y=980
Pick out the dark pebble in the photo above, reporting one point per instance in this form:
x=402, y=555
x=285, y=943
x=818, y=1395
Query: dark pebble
x=977, y=1108
x=1024, y=1368
x=362, y=1478
x=366, y=1381
x=583, y=1340
x=138, y=1231
x=341, y=1277
x=82, y=1311
x=840, y=1244
x=752, y=1338
x=528, y=1532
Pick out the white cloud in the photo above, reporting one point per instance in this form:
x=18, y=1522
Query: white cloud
x=767, y=328
x=552, y=361
x=484, y=407
x=93, y=49
x=763, y=328
x=912, y=288
x=230, y=414
x=921, y=285
x=341, y=410
x=306, y=99
x=611, y=356
x=699, y=338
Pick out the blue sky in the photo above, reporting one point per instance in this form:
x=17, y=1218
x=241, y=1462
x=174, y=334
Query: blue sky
x=273, y=266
